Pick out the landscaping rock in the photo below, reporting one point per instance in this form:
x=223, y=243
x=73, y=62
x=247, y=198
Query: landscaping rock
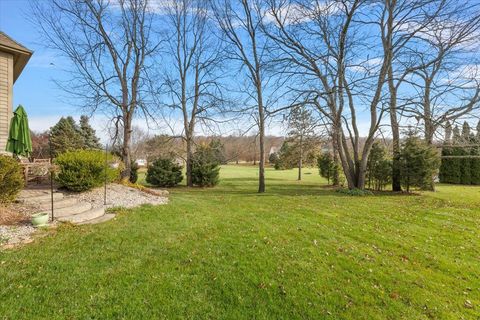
x=121, y=196
x=13, y=235
x=117, y=196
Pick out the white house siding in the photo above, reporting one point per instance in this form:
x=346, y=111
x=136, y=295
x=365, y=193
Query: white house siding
x=6, y=94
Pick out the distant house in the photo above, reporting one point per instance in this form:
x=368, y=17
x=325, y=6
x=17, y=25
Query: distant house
x=13, y=58
x=273, y=150
x=142, y=163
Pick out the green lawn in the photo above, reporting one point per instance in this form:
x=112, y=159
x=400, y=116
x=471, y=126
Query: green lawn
x=300, y=251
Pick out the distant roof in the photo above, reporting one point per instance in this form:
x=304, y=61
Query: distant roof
x=21, y=54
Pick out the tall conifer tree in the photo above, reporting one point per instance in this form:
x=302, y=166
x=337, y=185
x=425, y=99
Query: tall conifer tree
x=90, y=139
x=65, y=136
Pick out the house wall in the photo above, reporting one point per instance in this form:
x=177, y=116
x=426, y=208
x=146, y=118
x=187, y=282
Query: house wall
x=6, y=96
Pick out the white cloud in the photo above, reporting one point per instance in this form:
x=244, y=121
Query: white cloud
x=293, y=13
x=369, y=65
x=466, y=76
x=42, y=123
x=444, y=32
x=467, y=72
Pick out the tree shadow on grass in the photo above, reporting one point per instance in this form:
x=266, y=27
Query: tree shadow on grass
x=273, y=189
x=247, y=186
x=229, y=187
x=249, y=179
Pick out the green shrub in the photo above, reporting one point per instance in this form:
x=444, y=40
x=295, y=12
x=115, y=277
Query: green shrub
x=458, y=170
x=205, y=175
x=327, y=167
x=164, y=172
x=133, y=172
x=379, y=167
x=273, y=158
x=446, y=173
x=419, y=164
x=83, y=170
x=218, y=150
x=11, y=179
x=286, y=157
x=475, y=165
x=205, y=167
x=464, y=164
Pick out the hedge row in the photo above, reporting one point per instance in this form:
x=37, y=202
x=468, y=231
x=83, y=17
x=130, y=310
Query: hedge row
x=461, y=170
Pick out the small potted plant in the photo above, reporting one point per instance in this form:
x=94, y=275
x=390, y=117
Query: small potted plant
x=40, y=219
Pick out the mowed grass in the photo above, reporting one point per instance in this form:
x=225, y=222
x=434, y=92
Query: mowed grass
x=300, y=251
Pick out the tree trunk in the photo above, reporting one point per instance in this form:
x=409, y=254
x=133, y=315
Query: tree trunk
x=255, y=150
x=261, y=162
x=335, y=177
x=188, y=164
x=396, y=177
x=362, y=166
x=347, y=165
x=300, y=169
x=126, y=157
x=429, y=132
x=427, y=114
x=300, y=160
x=429, y=126
x=355, y=171
x=261, y=126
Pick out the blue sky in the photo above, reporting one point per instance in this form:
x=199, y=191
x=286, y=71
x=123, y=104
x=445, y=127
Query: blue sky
x=34, y=89
x=44, y=102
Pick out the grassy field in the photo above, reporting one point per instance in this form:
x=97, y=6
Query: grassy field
x=300, y=251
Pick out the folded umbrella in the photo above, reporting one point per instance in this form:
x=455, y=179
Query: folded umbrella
x=19, y=140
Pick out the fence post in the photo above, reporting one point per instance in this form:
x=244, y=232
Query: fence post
x=51, y=172
x=105, y=181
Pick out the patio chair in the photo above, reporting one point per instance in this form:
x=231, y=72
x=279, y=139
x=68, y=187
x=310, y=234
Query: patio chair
x=38, y=170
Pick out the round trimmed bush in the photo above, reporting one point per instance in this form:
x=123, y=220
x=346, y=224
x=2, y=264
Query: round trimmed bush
x=164, y=172
x=82, y=170
x=11, y=179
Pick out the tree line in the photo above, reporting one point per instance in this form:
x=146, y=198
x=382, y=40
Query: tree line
x=363, y=69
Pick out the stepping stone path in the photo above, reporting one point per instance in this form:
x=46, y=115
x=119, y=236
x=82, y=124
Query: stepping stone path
x=65, y=209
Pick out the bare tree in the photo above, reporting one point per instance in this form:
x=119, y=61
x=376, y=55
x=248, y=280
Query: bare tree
x=406, y=28
x=447, y=80
x=108, y=44
x=240, y=21
x=320, y=42
x=192, y=86
x=139, y=139
x=399, y=24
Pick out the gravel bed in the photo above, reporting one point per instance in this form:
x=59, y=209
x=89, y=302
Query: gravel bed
x=117, y=196
x=13, y=235
x=121, y=196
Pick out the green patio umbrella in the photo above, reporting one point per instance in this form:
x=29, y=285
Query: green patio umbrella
x=19, y=140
